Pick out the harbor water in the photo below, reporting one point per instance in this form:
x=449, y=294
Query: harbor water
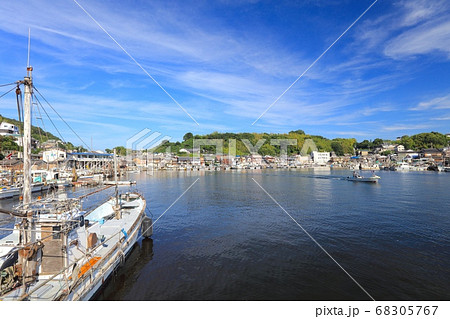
x=226, y=238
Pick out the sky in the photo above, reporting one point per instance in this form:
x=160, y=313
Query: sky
x=114, y=68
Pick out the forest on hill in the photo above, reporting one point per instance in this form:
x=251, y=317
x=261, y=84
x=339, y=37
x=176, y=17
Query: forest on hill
x=7, y=143
x=339, y=146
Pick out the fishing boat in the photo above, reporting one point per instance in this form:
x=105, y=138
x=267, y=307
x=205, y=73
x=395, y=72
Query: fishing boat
x=358, y=178
x=58, y=251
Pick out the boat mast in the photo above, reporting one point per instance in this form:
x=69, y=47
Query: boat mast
x=28, y=84
x=116, y=208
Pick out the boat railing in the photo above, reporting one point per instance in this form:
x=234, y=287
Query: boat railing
x=72, y=265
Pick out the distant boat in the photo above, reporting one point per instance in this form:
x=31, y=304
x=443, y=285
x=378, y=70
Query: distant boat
x=358, y=178
x=120, y=183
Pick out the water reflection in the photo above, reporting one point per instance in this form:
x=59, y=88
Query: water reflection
x=124, y=278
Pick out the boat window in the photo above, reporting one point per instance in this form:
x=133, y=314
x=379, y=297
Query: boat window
x=56, y=229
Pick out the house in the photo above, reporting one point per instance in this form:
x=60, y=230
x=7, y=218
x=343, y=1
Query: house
x=256, y=159
x=53, y=155
x=431, y=152
x=399, y=148
x=184, y=160
x=387, y=147
x=363, y=152
x=7, y=129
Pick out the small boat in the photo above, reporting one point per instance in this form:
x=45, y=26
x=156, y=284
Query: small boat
x=120, y=183
x=358, y=178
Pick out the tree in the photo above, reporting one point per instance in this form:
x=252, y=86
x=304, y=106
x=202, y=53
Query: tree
x=364, y=145
x=377, y=142
x=120, y=150
x=187, y=136
x=407, y=142
x=337, y=148
x=109, y=151
x=301, y=132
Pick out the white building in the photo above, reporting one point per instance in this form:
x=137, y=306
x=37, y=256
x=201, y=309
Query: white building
x=53, y=156
x=320, y=157
x=399, y=148
x=8, y=129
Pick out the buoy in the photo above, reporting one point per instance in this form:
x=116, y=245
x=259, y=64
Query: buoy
x=147, y=227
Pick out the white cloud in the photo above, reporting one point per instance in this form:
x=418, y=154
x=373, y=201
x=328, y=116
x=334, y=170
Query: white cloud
x=421, y=10
x=424, y=39
x=437, y=103
x=405, y=127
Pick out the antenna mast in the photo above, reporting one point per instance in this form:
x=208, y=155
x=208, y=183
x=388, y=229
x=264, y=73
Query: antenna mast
x=29, y=37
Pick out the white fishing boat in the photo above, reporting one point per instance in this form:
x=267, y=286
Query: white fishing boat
x=358, y=178
x=57, y=251
x=73, y=252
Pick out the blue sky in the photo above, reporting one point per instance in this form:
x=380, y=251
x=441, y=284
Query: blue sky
x=226, y=61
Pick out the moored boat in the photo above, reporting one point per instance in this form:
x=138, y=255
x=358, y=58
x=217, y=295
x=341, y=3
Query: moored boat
x=57, y=251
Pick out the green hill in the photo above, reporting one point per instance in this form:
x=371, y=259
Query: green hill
x=7, y=143
x=339, y=145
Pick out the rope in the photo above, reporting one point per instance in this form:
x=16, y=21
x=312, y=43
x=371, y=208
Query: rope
x=63, y=119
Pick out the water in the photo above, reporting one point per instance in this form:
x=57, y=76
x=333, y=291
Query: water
x=226, y=239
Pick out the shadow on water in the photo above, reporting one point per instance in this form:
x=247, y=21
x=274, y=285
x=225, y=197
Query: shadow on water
x=123, y=278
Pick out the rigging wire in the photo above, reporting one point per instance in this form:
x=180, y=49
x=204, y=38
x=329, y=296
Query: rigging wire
x=63, y=119
x=6, y=92
x=60, y=135
x=2, y=85
x=35, y=105
x=42, y=120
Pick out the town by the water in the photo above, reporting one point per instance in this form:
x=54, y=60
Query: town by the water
x=56, y=164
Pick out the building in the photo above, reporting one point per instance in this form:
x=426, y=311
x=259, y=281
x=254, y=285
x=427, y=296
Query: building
x=408, y=154
x=320, y=157
x=9, y=129
x=90, y=160
x=399, y=148
x=387, y=147
x=53, y=155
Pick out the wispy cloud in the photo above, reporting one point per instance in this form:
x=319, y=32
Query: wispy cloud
x=405, y=127
x=437, y=103
x=226, y=62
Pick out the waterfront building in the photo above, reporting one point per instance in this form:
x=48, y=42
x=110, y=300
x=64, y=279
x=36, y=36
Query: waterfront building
x=320, y=157
x=89, y=160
